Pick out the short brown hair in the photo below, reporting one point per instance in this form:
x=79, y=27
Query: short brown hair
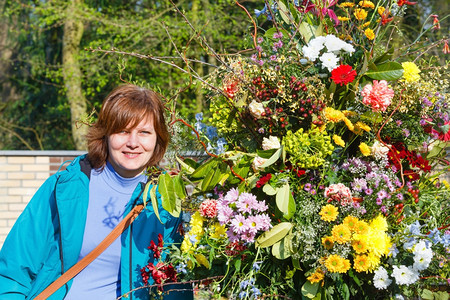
x=125, y=106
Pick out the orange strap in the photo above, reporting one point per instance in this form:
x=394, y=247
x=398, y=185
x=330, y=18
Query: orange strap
x=78, y=267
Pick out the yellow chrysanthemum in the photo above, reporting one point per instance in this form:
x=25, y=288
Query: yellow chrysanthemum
x=365, y=24
x=329, y=213
x=363, y=126
x=343, y=19
x=410, y=72
x=202, y=260
x=367, y=4
x=361, y=263
x=337, y=264
x=328, y=242
x=333, y=115
x=338, y=140
x=373, y=260
x=218, y=231
x=347, y=4
x=381, y=10
x=379, y=223
x=317, y=276
x=359, y=245
x=349, y=124
x=197, y=219
x=186, y=246
x=351, y=222
x=362, y=227
x=341, y=233
x=379, y=243
x=370, y=35
x=365, y=150
x=360, y=14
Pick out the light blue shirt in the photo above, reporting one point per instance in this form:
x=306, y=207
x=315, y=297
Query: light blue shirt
x=109, y=193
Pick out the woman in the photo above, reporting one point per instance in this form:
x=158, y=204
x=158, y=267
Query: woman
x=74, y=210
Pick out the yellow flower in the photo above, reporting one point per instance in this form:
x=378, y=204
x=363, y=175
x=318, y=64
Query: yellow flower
x=361, y=263
x=379, y=223
x=349, y=124
x=338, y=140
x=196, y=219
x=351, y=222
x=360, y=14
x=341, y=233
x=202, y=260
x=374, y=261
x=337, y=264
x=365, y=24
x=218, y=231
x=347, y=4
x=333, y=115
x=329, y=213
x=379, y=243
x=381, y=10
x=445, y=183
x=186, y=245
x=343, y=19
x=410, y=72
x=359, y=245
x=362, y=227
x=370, y=35
x=367, y=4
x=365, y=150
x=317, y=276
x=363, y=126
x=327, y=242
x=349, y=113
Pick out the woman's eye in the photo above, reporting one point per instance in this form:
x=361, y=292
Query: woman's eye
x=146, y=132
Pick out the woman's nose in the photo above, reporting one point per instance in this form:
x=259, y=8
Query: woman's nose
x=132, y=140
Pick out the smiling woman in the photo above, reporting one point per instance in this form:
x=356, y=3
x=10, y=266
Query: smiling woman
x=77, y=208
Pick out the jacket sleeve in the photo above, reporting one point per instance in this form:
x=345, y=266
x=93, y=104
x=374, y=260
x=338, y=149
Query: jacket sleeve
x=27, y=245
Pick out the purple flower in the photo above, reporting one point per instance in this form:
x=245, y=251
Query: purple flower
x=224, y=213
x=427, y=102
x=277, y=35
x=406, y=132
x=239, y=224
x=383, y=209
x=313, y=192
x=260, y=62
x=273, y=57
x=359, y=184
x=379, y=201
x=307, y=187
x=232, y=236
x=254, y=57
x=399, y=122
x=259, y=48
x=260, y=40
x=400, y=196
x=261, y=130
x=382, y=194
x=246, y=203
x=368, y=191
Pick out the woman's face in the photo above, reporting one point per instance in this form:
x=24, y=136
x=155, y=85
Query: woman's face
x=130, y=150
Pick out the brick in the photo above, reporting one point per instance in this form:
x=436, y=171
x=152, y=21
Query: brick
x=17, y=206
x=11, y=199
x=42, y=160
x=3, y=223
x=11, y=222
x=2, y=175
x=21, y=191
x=10, y=168
x=4, y=231
x=9, y=183
x=26, y=198
x=9, y=214
x=35, y=168
x=32, y=183
x=3, y=207
x=3, y=160
x=3, y=191
x=21, y=175
x=21, y=160
x=42, y=175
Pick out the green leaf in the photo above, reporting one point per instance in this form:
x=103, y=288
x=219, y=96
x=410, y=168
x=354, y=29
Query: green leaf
x=204, y=169
x=273, y=158
x=309, y=290
x=296, y=263
x=281, y=249
x=155, y=202
x=237, y=265
x=275, y=234
x=284, y=12
x=265, y=153
x=385, y=56
x=187, y=165
x=167, y=191
x=309, y=31
x=388, y=71
x=145, y=193
x=269, y=190
x=211, y=179
x=180, y=189
x=282, y=198
x=427, y=295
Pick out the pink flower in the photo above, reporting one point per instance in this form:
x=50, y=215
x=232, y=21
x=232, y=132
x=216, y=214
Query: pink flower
x=339, y=192
x=246, y=203
x=378, y=95
x=208, y=208
x=444, y=133
x=239, y=224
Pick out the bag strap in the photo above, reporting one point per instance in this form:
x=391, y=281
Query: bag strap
x=79, y=266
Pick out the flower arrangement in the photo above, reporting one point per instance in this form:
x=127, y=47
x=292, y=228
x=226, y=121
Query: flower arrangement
x=325, y=179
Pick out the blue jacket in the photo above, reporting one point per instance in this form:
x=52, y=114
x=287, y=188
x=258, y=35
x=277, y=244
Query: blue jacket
x=46, y=239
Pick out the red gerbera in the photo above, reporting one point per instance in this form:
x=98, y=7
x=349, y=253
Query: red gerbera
x=343, y=74
x=403, y=2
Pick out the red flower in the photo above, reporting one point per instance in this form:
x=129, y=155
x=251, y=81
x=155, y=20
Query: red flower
x=157, y=248
x=263, y=180
x=403, y=2
x=446, y=50
x=343, y=74
x=208, y=208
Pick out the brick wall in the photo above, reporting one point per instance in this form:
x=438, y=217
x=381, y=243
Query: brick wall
x=21, y=174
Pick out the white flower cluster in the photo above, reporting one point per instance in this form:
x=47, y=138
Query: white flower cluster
x=333, y=45
x=402, y=274
x=379, y=151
